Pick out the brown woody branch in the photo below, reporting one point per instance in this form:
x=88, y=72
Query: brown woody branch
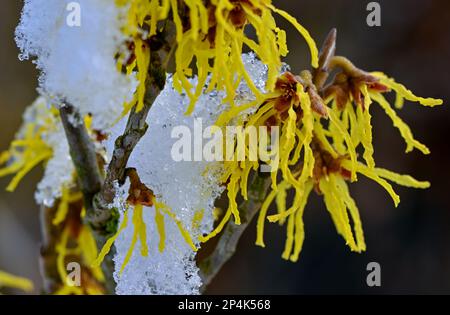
x=229, y=239
x=84, y=157
x=160, y=47
x=83, y=153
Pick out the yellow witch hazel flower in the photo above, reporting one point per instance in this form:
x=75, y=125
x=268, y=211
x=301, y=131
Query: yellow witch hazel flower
x=32, y=147
x=354, y=86
x=91, y=282
x=317, y=149
x=296, y=109
x=11, y=281
x=210, y=35
x=75, y=240
x=29, y=149
x=39, y=141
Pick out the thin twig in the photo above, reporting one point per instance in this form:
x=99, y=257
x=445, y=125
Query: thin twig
x=83, y=153
x=160, y=47
x=124, y=145
x=84, y=157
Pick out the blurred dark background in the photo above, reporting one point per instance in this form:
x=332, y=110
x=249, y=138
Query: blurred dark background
x=411, y=242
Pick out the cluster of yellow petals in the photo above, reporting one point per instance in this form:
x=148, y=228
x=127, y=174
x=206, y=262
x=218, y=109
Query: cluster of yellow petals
x=29, y=149
x=80, y=244
x=340, y=132
x=26, y=152
x=210, y=36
